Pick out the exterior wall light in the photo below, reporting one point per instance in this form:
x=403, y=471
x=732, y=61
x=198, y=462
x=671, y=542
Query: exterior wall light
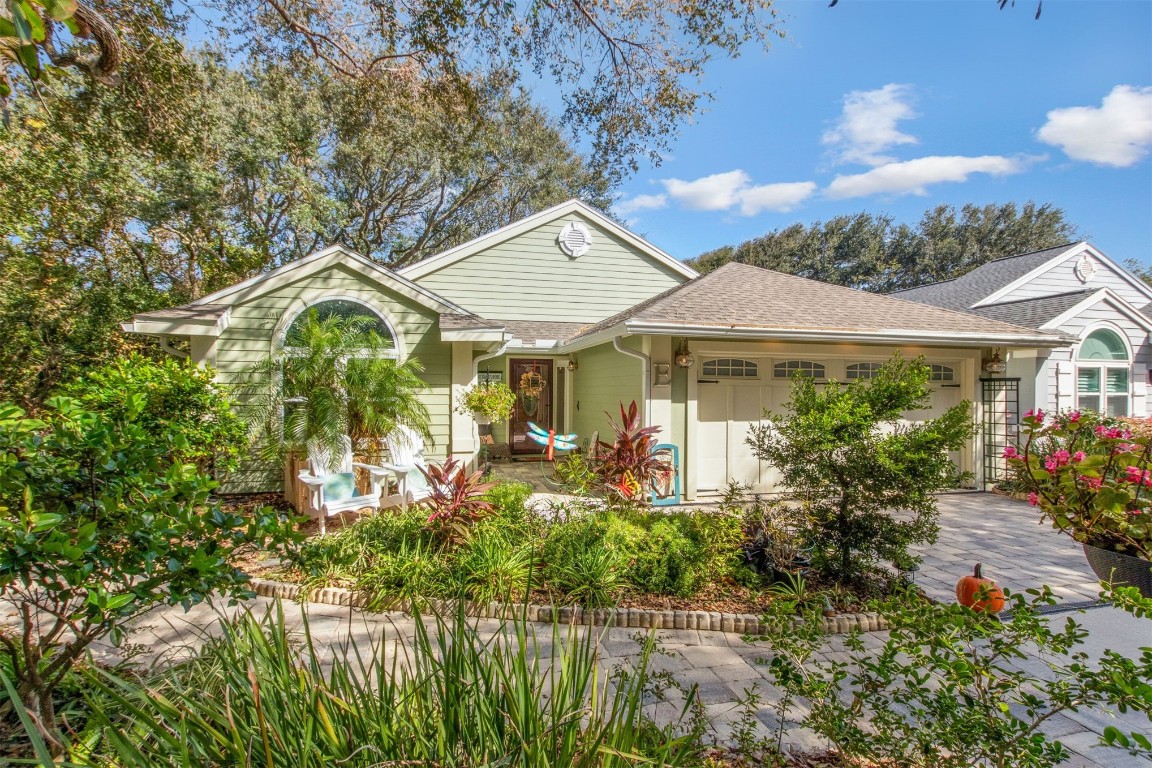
x=572, y=365
x=684, y=358
x=995, y=364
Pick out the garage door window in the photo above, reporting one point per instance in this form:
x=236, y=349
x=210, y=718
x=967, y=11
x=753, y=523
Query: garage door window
x=731, y=368
x=941, y=373
x=789, y=368
x=862, y=370
x=1102, y=374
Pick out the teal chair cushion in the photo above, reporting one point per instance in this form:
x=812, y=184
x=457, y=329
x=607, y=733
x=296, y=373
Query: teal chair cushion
x=339, y=487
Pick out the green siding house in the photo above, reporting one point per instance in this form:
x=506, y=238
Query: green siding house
x=602, y=317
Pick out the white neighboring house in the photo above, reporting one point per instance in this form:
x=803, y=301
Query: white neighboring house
x=1076, y=290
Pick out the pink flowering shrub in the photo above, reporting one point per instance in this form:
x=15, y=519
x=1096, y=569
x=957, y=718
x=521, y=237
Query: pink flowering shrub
x=1091, y=478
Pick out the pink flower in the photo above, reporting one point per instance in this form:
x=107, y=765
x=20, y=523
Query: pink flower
x=1036, y=415
x=1056, y=460
x=1138, y=476
x=1092, y=482
x=1074, y=417
x=1078, y=456
x=1011, y=453
x=1033, y=498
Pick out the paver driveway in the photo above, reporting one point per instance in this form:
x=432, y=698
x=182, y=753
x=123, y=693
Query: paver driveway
x=1006, y=535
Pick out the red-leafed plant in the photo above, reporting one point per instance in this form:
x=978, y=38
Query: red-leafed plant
x=456, y=500
x=627, y=467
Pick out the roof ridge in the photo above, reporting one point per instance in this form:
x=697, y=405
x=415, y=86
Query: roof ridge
x=1069, y=244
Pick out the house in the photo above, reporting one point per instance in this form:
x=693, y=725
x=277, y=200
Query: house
x=595, y=315
x=1075, y=290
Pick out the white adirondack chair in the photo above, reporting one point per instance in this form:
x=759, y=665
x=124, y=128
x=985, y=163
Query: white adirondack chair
x=406, y=458
x=332, y=484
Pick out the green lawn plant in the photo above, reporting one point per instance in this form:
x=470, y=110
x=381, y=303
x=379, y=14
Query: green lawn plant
x=447, y=697
x=849, y=458
x=98, y=525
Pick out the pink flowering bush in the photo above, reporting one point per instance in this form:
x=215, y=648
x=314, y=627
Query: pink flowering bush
x=1091, y=478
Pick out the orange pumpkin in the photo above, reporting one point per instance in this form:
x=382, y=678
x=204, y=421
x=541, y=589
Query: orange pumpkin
x=968, y=593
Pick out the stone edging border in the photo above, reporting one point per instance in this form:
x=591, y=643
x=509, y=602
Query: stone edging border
x=640, y=618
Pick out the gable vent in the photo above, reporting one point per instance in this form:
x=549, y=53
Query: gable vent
x=575, y=239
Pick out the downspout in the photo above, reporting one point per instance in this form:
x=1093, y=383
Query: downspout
x=645, y=376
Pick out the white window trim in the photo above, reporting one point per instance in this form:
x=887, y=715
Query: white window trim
x=399, y=349
x=1104, y=365
x=778, y=360
x=758, y=362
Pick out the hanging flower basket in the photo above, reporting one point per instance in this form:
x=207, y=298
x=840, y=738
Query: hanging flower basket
x=487, y=402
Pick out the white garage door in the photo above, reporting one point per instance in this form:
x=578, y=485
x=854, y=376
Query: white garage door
x=726, y=411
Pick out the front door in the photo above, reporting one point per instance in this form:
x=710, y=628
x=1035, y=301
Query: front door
x=531, y=380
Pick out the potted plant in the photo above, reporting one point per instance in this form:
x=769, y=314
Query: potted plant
x=488, y=402
x=1091, y=478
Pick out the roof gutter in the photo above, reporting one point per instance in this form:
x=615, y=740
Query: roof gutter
x=951, y=338
x=645, y=376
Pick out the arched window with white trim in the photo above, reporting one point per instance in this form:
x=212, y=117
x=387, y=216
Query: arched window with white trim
x=1103, y=374
x=345, y=308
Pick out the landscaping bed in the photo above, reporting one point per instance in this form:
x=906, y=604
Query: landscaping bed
x=572, y=553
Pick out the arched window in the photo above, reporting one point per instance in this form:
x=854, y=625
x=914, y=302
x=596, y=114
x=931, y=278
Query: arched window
x=343, y=308
x=730, y=368
x=1103, y=374
x=941, y=373
x=788, y=368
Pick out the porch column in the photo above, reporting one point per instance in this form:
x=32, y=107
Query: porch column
x=461, y=426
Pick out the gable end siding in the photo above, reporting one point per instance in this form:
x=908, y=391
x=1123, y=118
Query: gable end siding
x=529, y=278
x=1062, y=279
x=249, y=339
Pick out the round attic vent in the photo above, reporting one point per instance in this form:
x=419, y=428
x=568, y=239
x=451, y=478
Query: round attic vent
x=1085, y=268
x=574, y=239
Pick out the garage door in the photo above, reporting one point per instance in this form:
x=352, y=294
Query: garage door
x=726, y=411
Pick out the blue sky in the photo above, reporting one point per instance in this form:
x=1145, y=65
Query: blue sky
x=895, y=107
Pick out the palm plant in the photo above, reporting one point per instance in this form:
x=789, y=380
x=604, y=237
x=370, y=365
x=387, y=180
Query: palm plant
x=335, y=377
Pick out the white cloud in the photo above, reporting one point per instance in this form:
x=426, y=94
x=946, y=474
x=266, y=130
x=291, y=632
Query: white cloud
x=775, y=197
x=913, y=176
x=1117, y=133
x=717, y=192
x=867, y=126
x=641, y=203
x=734, y=189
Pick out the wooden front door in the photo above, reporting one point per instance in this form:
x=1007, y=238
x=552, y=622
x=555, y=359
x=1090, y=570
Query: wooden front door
x=531, y=380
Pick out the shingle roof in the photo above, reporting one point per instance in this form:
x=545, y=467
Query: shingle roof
x=1033, y=313
x=964, y=291
x=743, y=296
x=531, y=331
x=192, y=312
x=453, y=322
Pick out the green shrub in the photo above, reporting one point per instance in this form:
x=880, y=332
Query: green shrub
x=98, y=525
x=492, y=567
x=410, y=572
x=179, y=400
x=356, y=548
x=582, y=562
x=664, y=559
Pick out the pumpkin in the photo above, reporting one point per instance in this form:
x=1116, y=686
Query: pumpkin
x=968, y=593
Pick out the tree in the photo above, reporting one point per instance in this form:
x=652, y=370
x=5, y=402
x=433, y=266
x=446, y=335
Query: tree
x=335, y=380
x=98, y=525
x=188, y=176
x=875, y=253
x=865, y=477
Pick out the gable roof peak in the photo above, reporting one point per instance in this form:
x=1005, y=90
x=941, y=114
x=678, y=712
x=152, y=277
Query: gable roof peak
x=464, y=250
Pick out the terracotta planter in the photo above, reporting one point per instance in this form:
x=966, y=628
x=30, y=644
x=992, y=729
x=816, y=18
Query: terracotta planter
x=1120, y=569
